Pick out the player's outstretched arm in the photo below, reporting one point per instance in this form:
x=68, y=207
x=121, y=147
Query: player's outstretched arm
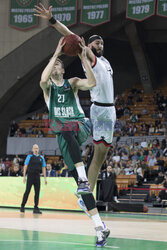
x=44, y=13
x=90, y=81
x=44, y=83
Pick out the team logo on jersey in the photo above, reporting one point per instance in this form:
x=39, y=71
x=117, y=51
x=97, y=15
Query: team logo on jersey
x=66, y=88
x=62, y=2
x=24, y=3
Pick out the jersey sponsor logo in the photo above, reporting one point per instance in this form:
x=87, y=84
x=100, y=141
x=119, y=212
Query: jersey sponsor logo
x=58, y=126
x=64, y=112
x=24, y=3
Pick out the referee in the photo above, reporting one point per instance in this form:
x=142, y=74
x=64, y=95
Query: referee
x=34, y=165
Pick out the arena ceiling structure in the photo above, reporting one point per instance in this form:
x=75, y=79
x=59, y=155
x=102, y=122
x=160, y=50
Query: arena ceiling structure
x=137, y=52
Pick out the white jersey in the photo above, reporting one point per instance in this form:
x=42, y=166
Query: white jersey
x=103, y=91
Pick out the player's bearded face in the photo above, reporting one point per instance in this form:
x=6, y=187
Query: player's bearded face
x=97, y=47
x=98, y=52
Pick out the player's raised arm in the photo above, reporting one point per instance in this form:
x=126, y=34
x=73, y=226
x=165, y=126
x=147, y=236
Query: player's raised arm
x=90, y=81
x=44, y=13
x=44, y=83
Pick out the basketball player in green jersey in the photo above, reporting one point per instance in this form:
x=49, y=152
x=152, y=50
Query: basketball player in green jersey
x=102, y=111
x=68, y=122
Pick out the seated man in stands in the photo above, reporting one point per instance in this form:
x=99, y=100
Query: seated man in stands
x=152, y=162
x=109, y=186
x=49, y=171
x=160, y=178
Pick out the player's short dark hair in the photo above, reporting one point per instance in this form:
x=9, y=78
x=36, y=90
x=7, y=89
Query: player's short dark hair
x=93, y=38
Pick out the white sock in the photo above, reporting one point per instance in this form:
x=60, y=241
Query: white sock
x=97, y=220
x=82, y=173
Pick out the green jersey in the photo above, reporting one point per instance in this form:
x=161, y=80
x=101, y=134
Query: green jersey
x=64, y=106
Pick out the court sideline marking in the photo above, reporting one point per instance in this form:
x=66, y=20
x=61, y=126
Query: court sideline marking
x=58, y=242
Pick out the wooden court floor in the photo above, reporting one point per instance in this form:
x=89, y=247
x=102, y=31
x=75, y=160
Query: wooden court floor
x=65, y=230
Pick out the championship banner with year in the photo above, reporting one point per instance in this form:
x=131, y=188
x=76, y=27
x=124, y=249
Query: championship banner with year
x=140, y=10
x=162, y=8
x=65, y=11
x=95, y=12
x=21, y=14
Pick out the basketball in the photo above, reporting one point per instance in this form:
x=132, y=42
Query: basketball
x=71, y=47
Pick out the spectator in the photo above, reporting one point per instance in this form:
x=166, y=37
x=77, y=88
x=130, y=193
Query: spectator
x=163, y=193
x=2, y=164
x=144, y=111
x=144, y=143
x=45, y=116
x=124, y=157
x=16, y=160
x=146, y=170
x=117, y=169
x=152, y=162
x=49, y=171
x=7, y=164
x=40, y=134
x=29, y=131
x=151, y=129
x=18, y=133
x=133, y=118
x=35, y=116
x=56, y=165
x=160, y=178
x=126, y=111
x=3, y=172
x=16, y=171
x=22, y=130
x=116, y=158
x=139, y=173
x=109, y=186
x=129, y=169
x=13, y=128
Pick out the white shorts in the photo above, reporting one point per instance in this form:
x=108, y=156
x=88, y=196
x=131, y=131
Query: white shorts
x=103, y=121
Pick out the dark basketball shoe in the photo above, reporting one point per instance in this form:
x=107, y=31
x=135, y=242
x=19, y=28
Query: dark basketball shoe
x=36, y=211
x=22, y=210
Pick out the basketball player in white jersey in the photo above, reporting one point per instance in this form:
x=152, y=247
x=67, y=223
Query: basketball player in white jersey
x=103, y=113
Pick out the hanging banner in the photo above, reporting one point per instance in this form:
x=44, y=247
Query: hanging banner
x=95, y=12
x=140, y=10
x=162, y=8
x=65, y=11
x=21, y=14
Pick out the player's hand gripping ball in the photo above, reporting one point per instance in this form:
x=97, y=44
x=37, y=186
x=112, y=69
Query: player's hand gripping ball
x=71, y=47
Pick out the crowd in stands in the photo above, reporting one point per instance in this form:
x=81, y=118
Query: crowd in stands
x=138, y=158
x=136, y=110
x=14, y=167
x=147, y=160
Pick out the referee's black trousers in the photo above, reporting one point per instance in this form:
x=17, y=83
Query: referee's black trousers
x=32, y=180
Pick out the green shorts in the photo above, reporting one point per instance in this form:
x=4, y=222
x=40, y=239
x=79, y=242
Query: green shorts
x=82, y=134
